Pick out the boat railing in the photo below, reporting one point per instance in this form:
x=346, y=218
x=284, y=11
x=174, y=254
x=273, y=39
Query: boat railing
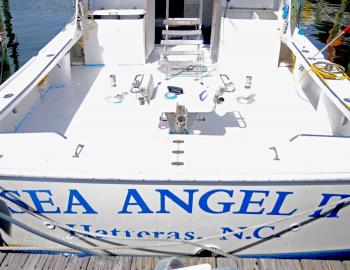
x=318, y=136
x=18, y=72
x=55, y=133
x=27, y=64
x=27, y=77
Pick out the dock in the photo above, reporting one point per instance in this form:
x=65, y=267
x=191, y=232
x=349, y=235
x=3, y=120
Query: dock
x=52, y=262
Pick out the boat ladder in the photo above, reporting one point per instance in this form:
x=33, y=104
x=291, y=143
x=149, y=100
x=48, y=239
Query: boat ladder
x=188, y=43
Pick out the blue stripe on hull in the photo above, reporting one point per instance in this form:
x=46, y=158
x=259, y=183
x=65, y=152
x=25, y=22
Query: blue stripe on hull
x=343, y=254
x=328, y=254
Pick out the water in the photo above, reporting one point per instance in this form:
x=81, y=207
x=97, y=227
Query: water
x=321, y=23
x=36, y=22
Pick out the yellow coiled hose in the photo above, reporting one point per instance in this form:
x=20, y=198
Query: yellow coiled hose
x=329, y=70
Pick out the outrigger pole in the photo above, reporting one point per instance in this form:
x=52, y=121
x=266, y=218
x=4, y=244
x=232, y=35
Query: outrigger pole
x=347, y=29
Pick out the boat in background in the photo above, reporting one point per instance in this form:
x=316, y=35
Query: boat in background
x=112, y=144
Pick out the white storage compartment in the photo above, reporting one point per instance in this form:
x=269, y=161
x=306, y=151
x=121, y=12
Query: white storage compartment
x=249, y=14
x=118, y=37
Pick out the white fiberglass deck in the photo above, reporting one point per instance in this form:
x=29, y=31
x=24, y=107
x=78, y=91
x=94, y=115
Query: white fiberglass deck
x=126, y=141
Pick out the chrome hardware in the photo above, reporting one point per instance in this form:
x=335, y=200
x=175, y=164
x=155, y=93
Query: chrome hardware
x=143, y=95
x=181, y=117
x=248, y=82
x=113, y=80
x=229, y=86
x=135, y=87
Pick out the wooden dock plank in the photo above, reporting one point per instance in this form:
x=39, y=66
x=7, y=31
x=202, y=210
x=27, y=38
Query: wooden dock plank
x=248, y=264
x=226, y=262
x=7, y=261
x=208, y=260
x=32, y=262
x=268, y=264
x=189, y=261
x=322, y=265
x=107, y=262
x=50, y=261
x=60, y=262
x=2, y=257
x=19, y=261
x=122, y=263
x=42, y=260
x=95, y=263
x=14, y=261
x=70, y=263
x=110, y=263
x=83, y=262
x=75, y=262
x=144, y=263
x=347, y=265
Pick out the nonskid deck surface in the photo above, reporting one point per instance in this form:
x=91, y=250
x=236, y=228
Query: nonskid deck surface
x=129, y=141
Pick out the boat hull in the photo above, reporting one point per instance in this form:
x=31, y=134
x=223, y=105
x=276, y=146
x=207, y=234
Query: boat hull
x=255, y=218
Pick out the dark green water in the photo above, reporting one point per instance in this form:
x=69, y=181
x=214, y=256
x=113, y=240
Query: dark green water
x=33, y=23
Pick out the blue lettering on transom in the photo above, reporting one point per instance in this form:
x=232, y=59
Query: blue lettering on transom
x=276, y=211
x=248, y=200
x=76, y=199
x=11, y=196
x=187, y=206
x=226, y=206
x=334, y=212
x=40, y=203
x=138, y=201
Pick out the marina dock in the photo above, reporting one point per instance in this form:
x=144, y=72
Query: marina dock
x=53, y=262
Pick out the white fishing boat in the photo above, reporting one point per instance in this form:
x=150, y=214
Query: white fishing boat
x=111, y=143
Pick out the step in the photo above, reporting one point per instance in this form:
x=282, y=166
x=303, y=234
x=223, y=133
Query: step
x=182, y=64
x=182, y=32
x=181, y=42
x=182, y=53
x=182, y=21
